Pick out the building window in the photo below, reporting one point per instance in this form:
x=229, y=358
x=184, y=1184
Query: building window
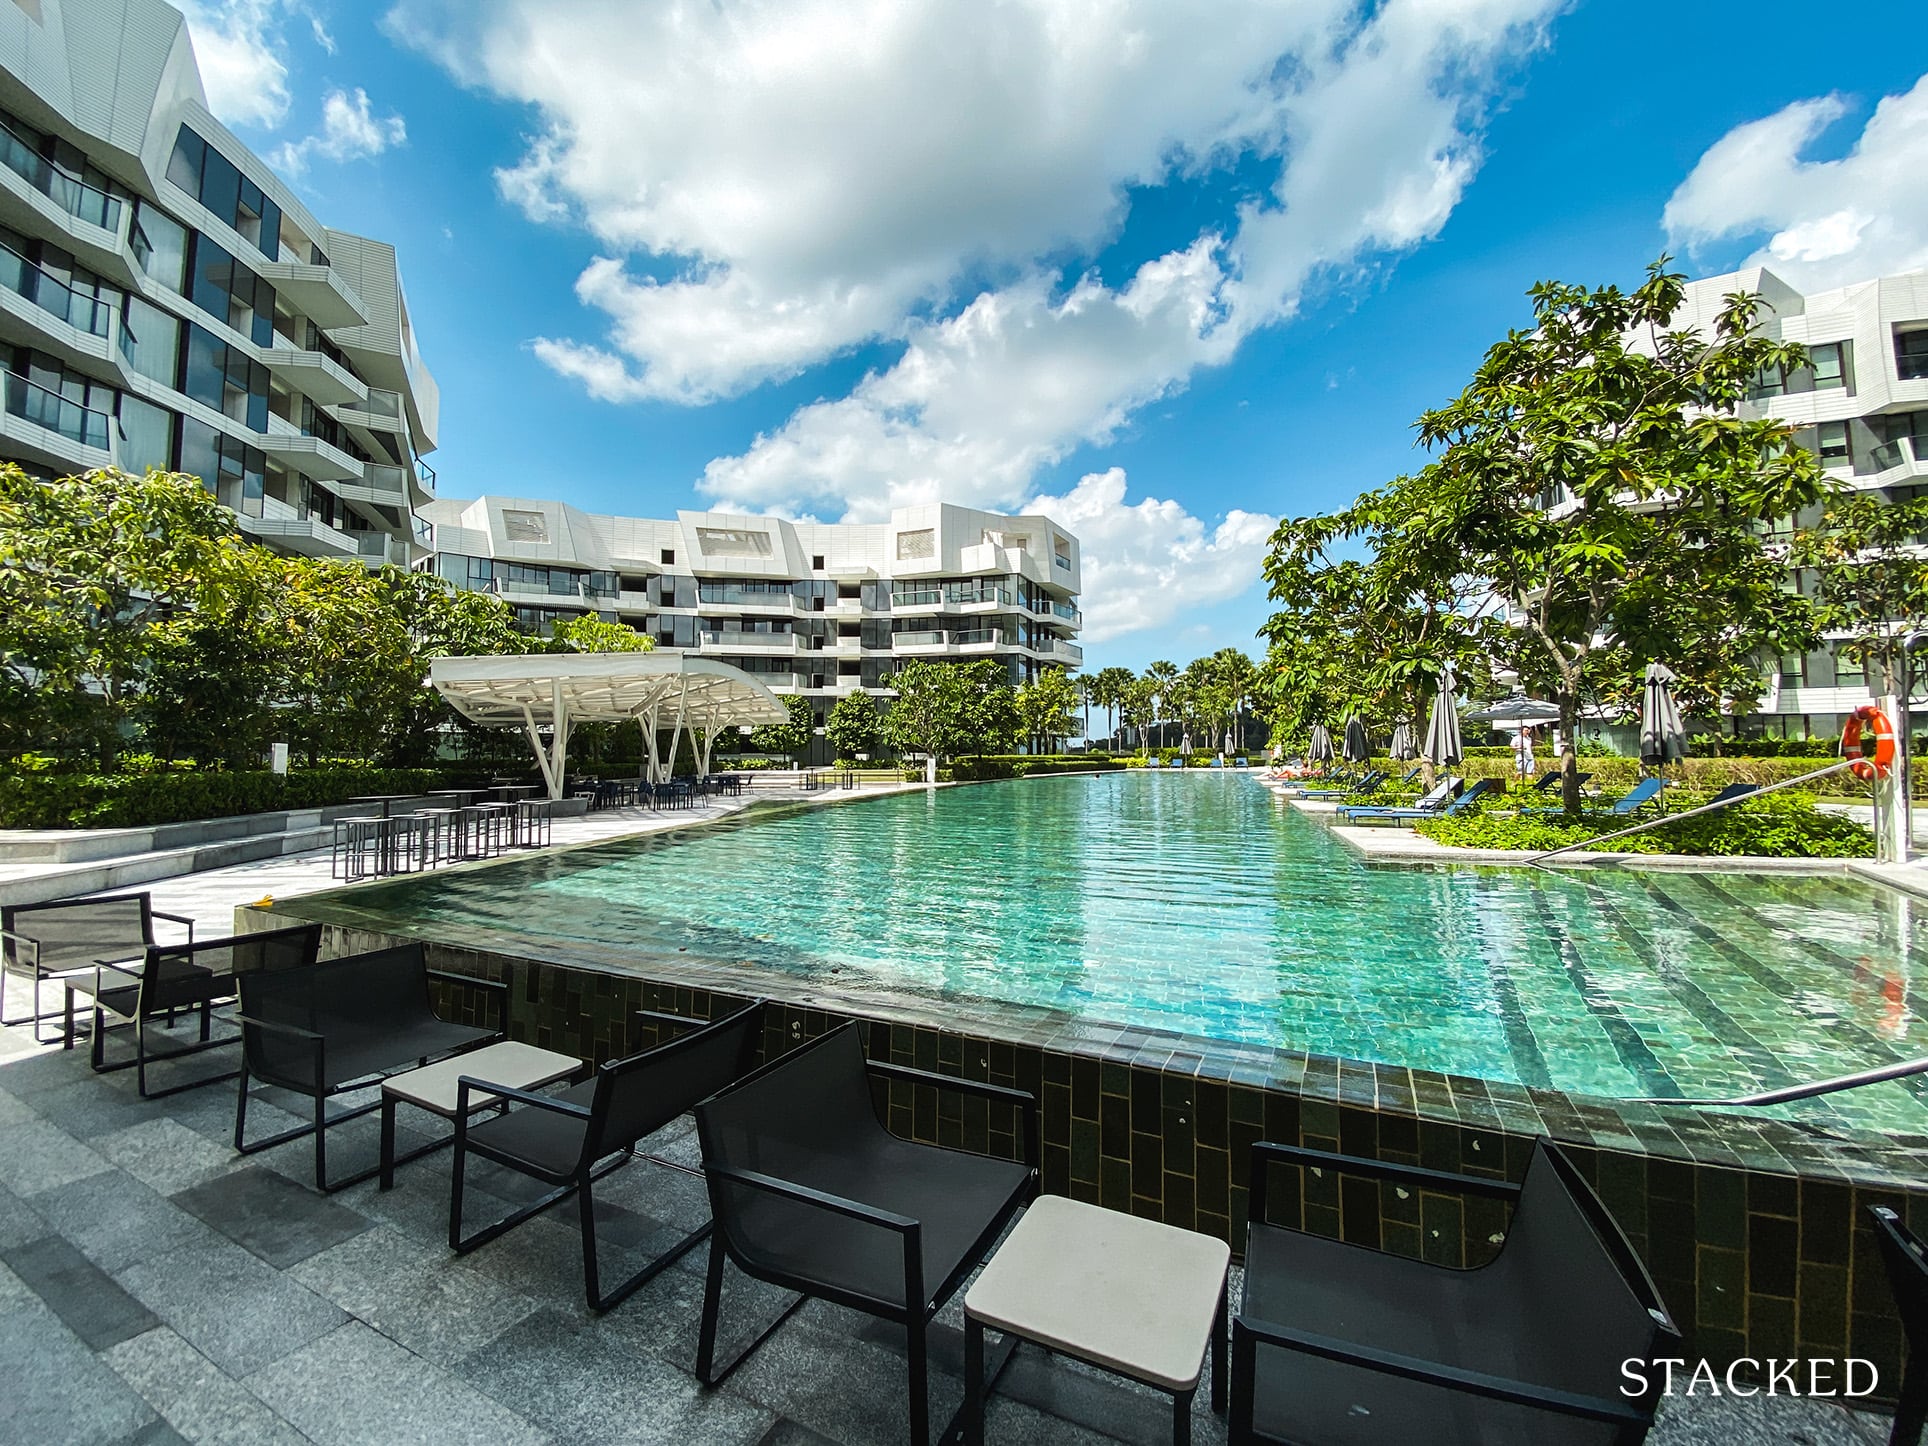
x=217, y=183
x=160, y=247
x=223, y=377
x=1834, y=444
x=669, y=557
x=733, y=542
x=1829, y=366
x=146, y=435
x=1793, y=670
x=524, y=526
x=229, y=292
x=1772, y=382
x=1061, y=553
x=1911, y=354
x=1850, y=671
x=816, y=562
x=913, y=545
x=230, y=469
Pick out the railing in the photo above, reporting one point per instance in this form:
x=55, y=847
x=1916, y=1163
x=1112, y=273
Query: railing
x=1067, y=612
x=727, y=638
x=62, y=187
x=916, y=597
x=56, y=413
x=1896, y=453
x=48, y=292
x=381, y=545
x=425, y=474
x=1058, y=559
x=978, y=635
x=916, y=640
x=380, y=403
x=385, y=477
x=729, y=594
x=424, y=530
x=968, y=595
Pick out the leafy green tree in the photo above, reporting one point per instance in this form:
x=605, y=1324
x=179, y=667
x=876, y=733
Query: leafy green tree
x=587, y=633
x=1047, y=707
x=924, y=717
x=792, y=736
x=1083, y=683
x=854, y=726
x=1109, y=685
x=1138, y=707
x=99, y=575
x=1161, y=679
x=1869, y=574
x=988, y=719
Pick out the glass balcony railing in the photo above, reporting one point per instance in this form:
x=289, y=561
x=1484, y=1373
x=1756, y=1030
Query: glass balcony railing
x=978, y=636
x=88, y=313
x=911, y=597
x=68, y=191
x=916, y=640
x=56, y=413
x=728, y=638
x=1901, y=451
x=1067, y=612
x=384, y=477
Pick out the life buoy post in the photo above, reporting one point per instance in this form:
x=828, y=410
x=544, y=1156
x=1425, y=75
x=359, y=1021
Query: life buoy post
x=1868, y=742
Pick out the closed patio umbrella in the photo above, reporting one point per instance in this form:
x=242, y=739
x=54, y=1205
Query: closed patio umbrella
x=1357, y=748
x=1663, y=739
x=1404, y=750
x=1442, y=732
x=1320, y=749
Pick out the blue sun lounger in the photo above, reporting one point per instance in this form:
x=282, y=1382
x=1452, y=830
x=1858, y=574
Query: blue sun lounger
x=1481, y=787
x=1369, y=784
x=1442, y=793
x=1642, y=794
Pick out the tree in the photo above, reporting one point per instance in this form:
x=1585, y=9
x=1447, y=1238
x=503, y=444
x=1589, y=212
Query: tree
x=1594, y=464
x=99, y=575
x=792, y=736
x=1160, y=677
x=1109, y=692
x=924, y=717
x=1864, y=560
x=587, y=633
x=987, y=707
x=1138, y=707
x=853, y=726
x=1084, y=683
x=1046, y=707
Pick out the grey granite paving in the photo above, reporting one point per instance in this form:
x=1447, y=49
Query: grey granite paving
x=155, y=1287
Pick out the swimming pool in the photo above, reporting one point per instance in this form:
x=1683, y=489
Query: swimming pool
x=1197, y=903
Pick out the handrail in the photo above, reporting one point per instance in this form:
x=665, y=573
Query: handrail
x=1703, y=808
x=1807, y=1092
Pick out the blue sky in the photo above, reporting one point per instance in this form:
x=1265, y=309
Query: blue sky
x=823, y=257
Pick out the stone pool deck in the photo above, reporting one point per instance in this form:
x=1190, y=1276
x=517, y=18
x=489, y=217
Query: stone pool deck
x=155, y=1287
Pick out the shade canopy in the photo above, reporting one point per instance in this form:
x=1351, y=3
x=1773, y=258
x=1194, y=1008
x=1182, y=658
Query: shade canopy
x=1517, y=709
x=556, y=691
x=1320, y=748
x=1357, y=747
x=1442, y=729
x=1663, y=739
x=1404, y=750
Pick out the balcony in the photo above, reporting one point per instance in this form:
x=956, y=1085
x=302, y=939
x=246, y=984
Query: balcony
x=1066, y=613
x=381, y=484
x=979, y=640
x=66, y=190
x=288, y=528
x=740, y=642
x=1902, y=452
x=320, y=378
x=919, y=642
x=380, y=411
x=378, y=549
x=52, y=295
x=910, y=599
x=315, y=290
x=57, y=415
x=310, y=456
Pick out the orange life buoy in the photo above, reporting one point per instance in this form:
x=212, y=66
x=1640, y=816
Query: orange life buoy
x=1869, y=741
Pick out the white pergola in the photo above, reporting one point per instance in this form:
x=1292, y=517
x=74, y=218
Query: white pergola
x=556, y=691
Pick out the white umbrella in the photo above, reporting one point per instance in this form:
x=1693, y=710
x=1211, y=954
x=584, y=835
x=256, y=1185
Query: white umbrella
x=1517, y=709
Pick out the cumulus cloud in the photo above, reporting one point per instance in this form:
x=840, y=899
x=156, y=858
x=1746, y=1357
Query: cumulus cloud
x=350, y=131
x=1146, y=562
x=240, y=55
x=1824, y=223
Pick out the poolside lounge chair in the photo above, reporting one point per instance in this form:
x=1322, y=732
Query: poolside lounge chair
x=65, y=937
x=1642, y=794
x=1525, y=1350
x=811, y=1193
x=1371, y=783
x=1730, y=793
x=173, y=977
x=1451, y=809
x=1434, y=799
x=561, y=1139
x=1907, y=1261
x=1549, y=782
x=340, y=1024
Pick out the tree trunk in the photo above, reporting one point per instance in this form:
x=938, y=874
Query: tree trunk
x=1569, y=756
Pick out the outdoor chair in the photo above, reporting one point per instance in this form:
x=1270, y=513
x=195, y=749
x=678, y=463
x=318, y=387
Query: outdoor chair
x=65, y=937
x=1434, y=799
x=572, y=1139
x=1337, y=1341
x=1731, y=792
x=174, y=977
x=811, y=1193
x=1907, y=1261
x=1452, y=808
x=1642, y=794
x=1549, y=782
x=1370, y=784
x=341, y=1024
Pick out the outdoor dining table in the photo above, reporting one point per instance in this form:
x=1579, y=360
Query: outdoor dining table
x=462, y=796
x=386, y=800
x=511, y=792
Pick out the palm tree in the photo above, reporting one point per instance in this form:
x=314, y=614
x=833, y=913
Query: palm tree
x=1160, y=676
x=1232, y=677
x=1110, y=695
x=1086, y=683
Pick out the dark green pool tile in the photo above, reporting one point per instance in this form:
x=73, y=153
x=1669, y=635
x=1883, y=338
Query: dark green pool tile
x=1770, y=1325
x=1773, y=1195
x=1442, y=1220
x=1180, y=1200
x=1720, y=1206
x=1114, y=1183
x=1114, y=1127
x=1720, y=1277
x=1213, y=1174
x=1398, y=1204
x=1285, y=1122
x=1358, y=1133
x=1147, y=1165
x=1323, y=1220
x=1827, y=1217
x=1084, y=1087
x=1822, y=1309
x=1213, y=1103
x=1246, y=1105
x=1773, y=1245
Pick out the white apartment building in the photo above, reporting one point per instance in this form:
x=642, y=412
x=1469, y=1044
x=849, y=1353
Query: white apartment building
x=1861, y=405
x=822, y=609
x=165, y=301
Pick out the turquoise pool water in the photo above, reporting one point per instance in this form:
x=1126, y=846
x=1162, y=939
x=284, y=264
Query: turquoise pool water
x=1199, y=903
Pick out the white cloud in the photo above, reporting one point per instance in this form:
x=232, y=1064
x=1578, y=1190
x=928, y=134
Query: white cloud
x=239, y=51
x=350, y=131
x=1826, y=223
x=1144, y=563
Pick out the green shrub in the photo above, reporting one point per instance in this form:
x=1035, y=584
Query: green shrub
x=1780, y=826
x=139, y=800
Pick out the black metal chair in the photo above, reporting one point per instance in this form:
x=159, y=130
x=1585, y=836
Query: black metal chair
x=1339, y=1342
x=811, y=1193
x=1907, y=1260
x=561, y=1139
x=175, y=977
x=339, y=1025
x=66, y=937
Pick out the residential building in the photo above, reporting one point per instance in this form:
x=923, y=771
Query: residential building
x=1861, y=405
x=166, y=301
x=822, y=609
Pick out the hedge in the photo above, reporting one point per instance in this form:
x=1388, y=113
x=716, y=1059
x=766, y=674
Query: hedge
x=1782, y=825
x=1014, y=765
x=85, y=800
